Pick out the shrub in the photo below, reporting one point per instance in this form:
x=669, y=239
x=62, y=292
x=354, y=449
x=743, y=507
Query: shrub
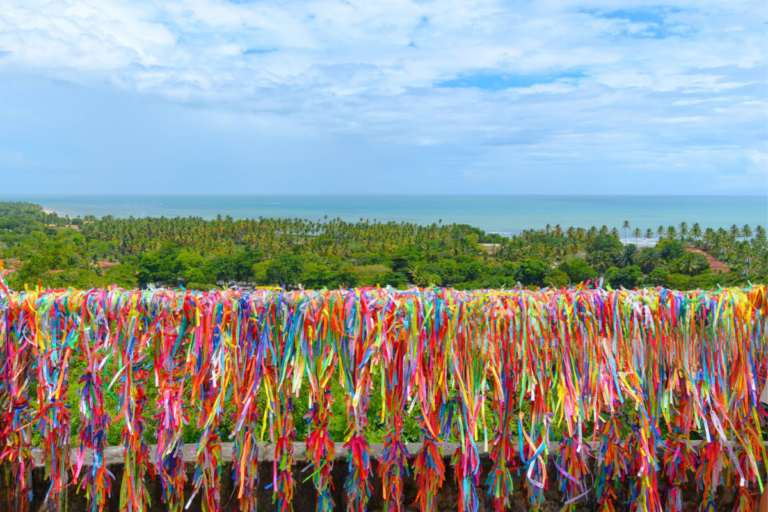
x=605, y=243
x=558, y=279
x=578, y=271
x=658, y=277
x=532, y=272
x=690, y=263
x=628, y=277
x=670, y=249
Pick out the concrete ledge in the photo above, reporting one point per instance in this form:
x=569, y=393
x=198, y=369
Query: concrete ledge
x=305, y=496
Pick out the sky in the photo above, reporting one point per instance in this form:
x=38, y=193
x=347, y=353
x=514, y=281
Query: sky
x=383, y=96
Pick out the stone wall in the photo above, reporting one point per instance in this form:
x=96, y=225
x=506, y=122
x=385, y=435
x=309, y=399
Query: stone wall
x=305, y=494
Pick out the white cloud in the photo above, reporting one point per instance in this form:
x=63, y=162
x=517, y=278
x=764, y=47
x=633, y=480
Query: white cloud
x=602, y=81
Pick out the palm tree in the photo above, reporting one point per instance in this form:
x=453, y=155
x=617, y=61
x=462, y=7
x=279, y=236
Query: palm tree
x=649, y=259
x=649, y=235
x=574, y=244
x=560, y=252
x=628, y=256
x=689, y=264
x=746, y=232
x=696, y=231
x=683, y=227
x=638, y=233
x=600, y=261
x=734, y=231
x=625, y=227
x=660, y=232
x=760, y=234
x=671, y=233
x=708, y=236
x=743, y=257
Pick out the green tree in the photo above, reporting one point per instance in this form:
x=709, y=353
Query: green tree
x=649, y=259
x=696, y=231
x=691, y=264
x=557, y=279
x=531, y=272
x=670, y=249
x=578, y=271
x=606, y=244
x=286, y=270
x=628, y=256
x=746, y=232
x=671, y=232
x=124, y=276
x=658, y=277
x=628, y=277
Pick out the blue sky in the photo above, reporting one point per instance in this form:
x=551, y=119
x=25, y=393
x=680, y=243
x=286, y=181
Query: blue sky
x=383, y=96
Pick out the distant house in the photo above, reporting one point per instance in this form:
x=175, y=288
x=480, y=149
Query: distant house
x=9, y=266
x=715, y=265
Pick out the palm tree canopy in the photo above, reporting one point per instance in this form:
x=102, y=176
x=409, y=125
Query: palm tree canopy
x=628, y=256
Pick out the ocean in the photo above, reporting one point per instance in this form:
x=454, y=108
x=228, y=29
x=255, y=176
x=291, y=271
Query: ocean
x=505, y=214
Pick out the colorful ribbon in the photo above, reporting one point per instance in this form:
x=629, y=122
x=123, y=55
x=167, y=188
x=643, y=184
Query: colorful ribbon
x=625, y=377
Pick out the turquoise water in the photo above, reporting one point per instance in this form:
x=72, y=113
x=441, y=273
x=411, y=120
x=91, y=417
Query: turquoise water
x=493, y=213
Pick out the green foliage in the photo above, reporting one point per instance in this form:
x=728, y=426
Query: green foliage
x=324, y=275
x=628, y=256
x=393, y=279
x=700, y=281
x=236, y=267
x=679, y=281
x=628, y=277
x=578, y=271
x=690, y=263
x=670, y=249
x=194, y=253
x=649, y=259
x=531, y=272
x=606, y=244
x=124, y=276
x=658, y=277
x=159, y=266
x=404, y=257
x=285, y=270
x=557, y=279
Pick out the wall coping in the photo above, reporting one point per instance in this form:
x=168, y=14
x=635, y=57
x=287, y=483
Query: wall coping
x=114, y=454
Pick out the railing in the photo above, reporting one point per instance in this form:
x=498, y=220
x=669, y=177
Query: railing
x=632, y=371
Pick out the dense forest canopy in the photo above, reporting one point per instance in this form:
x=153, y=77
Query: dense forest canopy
x=55, y=251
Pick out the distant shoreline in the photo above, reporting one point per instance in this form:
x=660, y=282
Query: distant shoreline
x=641, y=242
x=494, y=214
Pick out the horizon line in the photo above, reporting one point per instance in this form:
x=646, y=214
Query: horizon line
x=116, y=195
